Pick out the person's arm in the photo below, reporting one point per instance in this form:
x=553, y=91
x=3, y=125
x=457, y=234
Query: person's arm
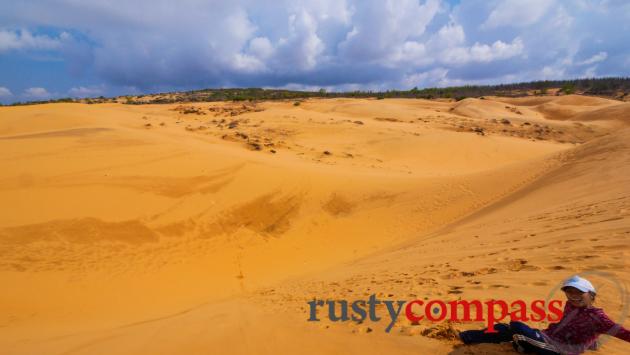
x=607, y=326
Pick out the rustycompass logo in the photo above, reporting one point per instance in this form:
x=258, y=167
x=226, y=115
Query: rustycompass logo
x=489, y=311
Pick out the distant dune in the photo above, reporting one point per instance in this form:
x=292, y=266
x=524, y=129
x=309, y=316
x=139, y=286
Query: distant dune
x=191, y=227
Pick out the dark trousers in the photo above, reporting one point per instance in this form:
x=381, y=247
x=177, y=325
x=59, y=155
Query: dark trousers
x=527, y=340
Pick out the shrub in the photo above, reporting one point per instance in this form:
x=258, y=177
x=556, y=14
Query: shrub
x=568, y=89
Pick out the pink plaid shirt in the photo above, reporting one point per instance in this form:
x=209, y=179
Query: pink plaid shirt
x=579, y=328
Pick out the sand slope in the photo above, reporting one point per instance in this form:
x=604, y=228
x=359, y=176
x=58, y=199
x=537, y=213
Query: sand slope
x=152, y=230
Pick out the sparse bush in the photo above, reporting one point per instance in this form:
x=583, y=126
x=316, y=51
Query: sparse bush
x=614, y=87
x=568, y=89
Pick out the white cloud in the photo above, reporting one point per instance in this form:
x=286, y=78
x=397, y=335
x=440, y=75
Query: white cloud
x=83, y=91
x=360, y=44
x=601, y=56
x=499, y=50
x=4, y=92
x=24, y=40
x=325, y=10
x=449, y=36
x=447, y=47
x=483, y=53
x=517, y=13
x=261, y=47
x=244, y=63
x=551, y=73
x=431, y=78
x=590, y=72
x=36, y=93
x=302, y=47
x=380, y=28
x=411, y=52
x=561, y=19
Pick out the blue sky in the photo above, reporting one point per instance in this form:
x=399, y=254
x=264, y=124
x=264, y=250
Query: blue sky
x=60, y=48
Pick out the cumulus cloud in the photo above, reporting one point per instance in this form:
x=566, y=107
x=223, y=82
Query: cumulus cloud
x=432, y=78
x=380, y=28
x=601, y=56
x=497, y=51
x=449, y=36
x=301, y=48
x=83, y=91
x=25, y=40
x=261, y=47
x=517, y=13
x=361, y=44
x=37, y=93
x=5, y=93
x=552, y=73
x=590, y=72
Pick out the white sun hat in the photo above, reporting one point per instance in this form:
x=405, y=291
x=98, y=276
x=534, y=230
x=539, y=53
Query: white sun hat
x=580, y=283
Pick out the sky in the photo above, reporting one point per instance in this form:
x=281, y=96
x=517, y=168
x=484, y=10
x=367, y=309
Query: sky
x=84, y=48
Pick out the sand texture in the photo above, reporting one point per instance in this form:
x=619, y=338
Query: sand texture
x=204, y=228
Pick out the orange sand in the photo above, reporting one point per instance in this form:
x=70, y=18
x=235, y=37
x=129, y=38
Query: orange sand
x=146, y=230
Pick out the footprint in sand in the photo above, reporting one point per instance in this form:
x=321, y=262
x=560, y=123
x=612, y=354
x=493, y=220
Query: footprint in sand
x=539, y=283
x=455, y=290
x=556, y=267
x=520, y=264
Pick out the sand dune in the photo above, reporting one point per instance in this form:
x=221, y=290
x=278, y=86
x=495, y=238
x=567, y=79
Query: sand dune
x=619, y=113
x=493, y=109
x=573, y=107
x=566, y=100
x=168, y=229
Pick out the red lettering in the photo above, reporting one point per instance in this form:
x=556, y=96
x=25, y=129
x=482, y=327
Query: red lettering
x=557, y=311
x=538, y=307
x=428, y=310
x=466, y=308
x=492, y=319
x=410, y=315
x=521, y=313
